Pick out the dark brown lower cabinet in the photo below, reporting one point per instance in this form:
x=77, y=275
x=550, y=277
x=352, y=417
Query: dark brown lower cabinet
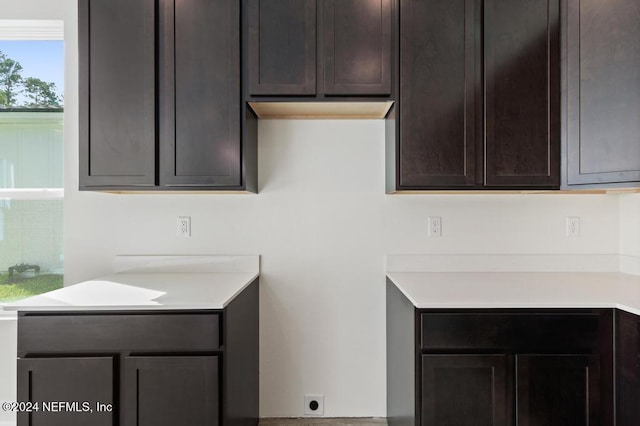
x=558, y=390
x=551, y=390
x=66, y=391
x=628, y=368
x=465, y=390
x=505, y=367
x=141, y=368
x=171, y=390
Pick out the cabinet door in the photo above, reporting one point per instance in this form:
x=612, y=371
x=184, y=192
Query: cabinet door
x=628, y=368
x=603, y=91
x=522, y=89
x=282, y=47
x=200, y=93
x=171, y=390
x=466, y=390
x=357, y=47
x=117, y=92
x=558, y=390
x=440, y=96
x=73, y=388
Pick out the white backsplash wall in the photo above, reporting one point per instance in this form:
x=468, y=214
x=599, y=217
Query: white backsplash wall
x=630, y=233
x=322, y=225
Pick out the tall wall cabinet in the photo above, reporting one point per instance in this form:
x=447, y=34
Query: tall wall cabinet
x=479, y=96
x=160, y=101
x=602, y=96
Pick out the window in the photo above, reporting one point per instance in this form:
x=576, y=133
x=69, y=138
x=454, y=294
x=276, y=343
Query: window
x=31, y=158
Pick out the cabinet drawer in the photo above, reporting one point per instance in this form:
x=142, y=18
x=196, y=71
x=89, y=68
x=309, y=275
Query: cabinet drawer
x=70, y=333
x=554, y=332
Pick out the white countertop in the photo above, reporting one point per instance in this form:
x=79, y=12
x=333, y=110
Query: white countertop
x=215, y=282
x=520, y=289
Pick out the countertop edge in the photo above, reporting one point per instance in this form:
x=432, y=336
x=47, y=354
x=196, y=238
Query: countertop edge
x=613, y=301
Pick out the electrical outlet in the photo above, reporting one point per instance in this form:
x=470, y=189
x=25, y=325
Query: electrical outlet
x=314, y=405
x=435, y=226
x=573, y=226
x=183, y=226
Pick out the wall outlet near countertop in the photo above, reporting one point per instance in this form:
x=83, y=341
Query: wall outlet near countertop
x=183, y=226
x=435, y=226
x=573, y=226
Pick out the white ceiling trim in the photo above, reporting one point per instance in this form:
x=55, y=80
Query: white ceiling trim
x=19, y=29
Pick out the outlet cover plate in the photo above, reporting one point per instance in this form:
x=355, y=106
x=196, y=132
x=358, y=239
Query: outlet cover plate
x=308, y=399
x=183, y=226
x=435, y=226
x=573, y=226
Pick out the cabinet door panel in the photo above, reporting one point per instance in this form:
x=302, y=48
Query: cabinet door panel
x=466, y=390
x=357, y=47
x=117, y=92
x=628, y=368
x=282, y=47
x=200, y=102
x=169, y=391
x=603, y=91
x=558, y=390
x=440, y=93
x=72, y=380
x=522, y=89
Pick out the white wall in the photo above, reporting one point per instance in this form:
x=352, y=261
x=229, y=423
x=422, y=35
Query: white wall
x=322, y=225
x=8, y=348
x=630, y=233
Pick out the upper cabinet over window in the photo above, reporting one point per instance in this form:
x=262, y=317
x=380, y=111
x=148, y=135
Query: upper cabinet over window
x=160, y=101
x=319, y=48
x=603, y=93
x=479, y=101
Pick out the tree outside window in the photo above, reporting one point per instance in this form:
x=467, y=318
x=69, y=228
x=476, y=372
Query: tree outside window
x=36, y=92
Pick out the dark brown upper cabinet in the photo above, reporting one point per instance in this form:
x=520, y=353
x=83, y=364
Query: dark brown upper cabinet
x=160, y=100
x=479, y=99
x=319, y=48
x=357, y=47
x=440, y=107
x=282, y=47
x=602, y=94
x=117, y=93
x=522, y=93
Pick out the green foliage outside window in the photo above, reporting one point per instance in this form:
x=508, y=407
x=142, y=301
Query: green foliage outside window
x=38, y=93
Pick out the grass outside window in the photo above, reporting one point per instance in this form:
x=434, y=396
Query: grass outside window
x=21, y=287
